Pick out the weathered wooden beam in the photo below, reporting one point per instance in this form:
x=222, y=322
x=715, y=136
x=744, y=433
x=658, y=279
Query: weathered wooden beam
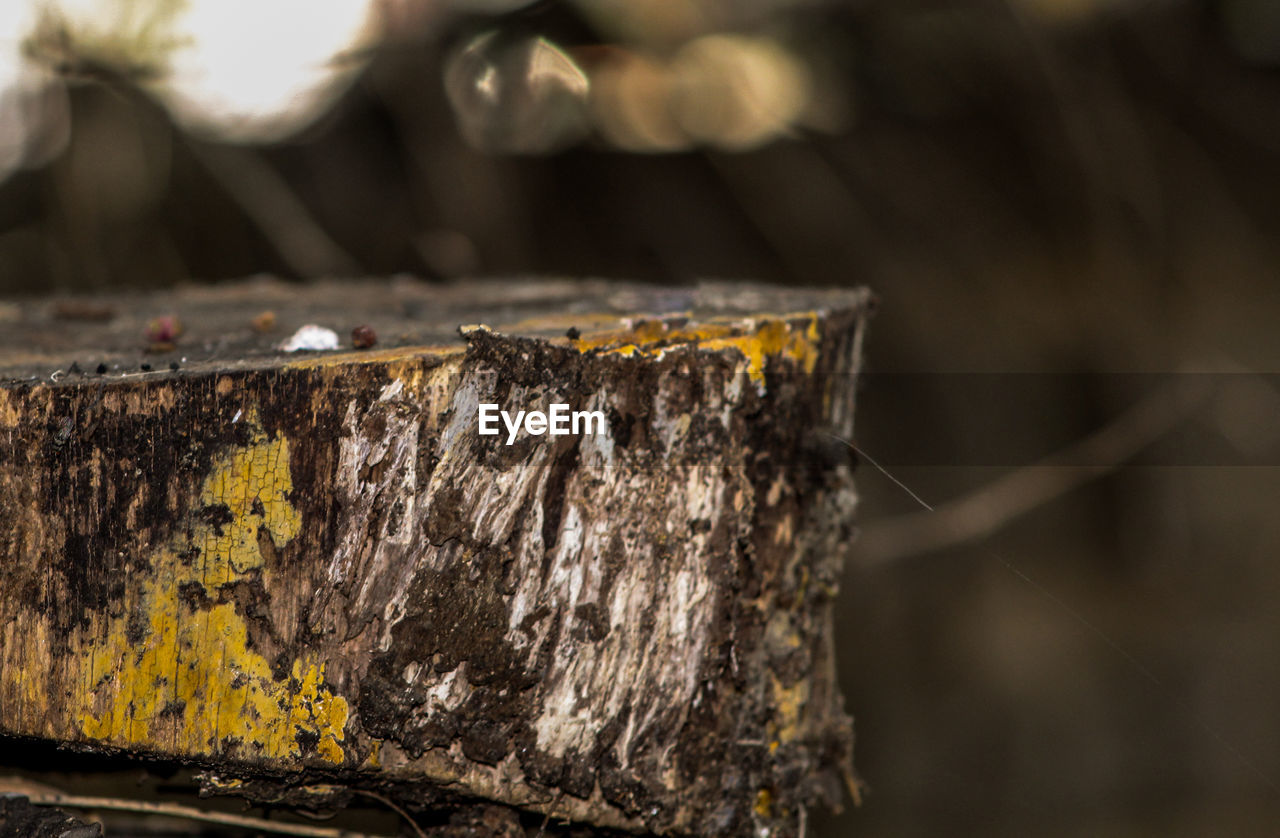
x=312, y=566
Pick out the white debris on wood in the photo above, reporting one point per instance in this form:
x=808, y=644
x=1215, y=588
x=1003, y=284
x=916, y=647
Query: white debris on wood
x=311, y=337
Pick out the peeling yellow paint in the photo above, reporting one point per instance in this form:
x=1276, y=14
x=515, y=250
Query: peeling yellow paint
x=184, y=679
x=374, y=759
x=769, y=338
x=788, y=703
x=651, y=336
x=764, y=803
x=794, y=336
x=223, y=785
x=253, y=483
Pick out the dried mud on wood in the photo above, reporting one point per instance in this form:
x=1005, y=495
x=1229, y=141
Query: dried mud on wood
x=311, y=571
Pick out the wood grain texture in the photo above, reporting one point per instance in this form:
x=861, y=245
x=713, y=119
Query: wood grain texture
x=313, y=569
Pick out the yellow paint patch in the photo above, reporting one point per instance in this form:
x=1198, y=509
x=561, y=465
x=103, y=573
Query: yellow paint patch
x=179, y=676
x=788, y=704
x=764, y=803
x=793, y=336
x=223, y=785
x=651, y=336
x=374, y=759
x=253, y=483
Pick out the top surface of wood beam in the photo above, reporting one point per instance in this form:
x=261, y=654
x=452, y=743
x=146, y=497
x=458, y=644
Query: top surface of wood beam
x=51, y=339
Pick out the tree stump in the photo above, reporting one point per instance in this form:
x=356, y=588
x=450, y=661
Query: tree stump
x=304, y=569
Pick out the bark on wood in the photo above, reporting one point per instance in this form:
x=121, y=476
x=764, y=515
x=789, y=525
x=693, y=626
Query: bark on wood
x=313, y=570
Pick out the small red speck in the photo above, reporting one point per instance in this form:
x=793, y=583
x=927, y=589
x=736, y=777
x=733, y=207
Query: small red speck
x=164, y=329
x=362, y=337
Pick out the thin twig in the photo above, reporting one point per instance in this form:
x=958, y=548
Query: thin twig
x=542, y=830
x=395, y=807
x=990, y=507
x=852, y=783
x=175, y=810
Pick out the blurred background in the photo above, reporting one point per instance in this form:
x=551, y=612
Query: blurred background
x=1070, y=210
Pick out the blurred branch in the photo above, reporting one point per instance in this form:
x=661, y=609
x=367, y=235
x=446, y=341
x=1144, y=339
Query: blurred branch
x=393, y=806
x=174, y=810
x=986, y=510
x=276, y=209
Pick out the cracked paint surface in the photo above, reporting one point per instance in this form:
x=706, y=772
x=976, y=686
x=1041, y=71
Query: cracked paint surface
x=178, y=673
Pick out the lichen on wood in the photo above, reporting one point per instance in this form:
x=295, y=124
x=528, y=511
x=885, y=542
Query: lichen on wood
x=299, y=569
